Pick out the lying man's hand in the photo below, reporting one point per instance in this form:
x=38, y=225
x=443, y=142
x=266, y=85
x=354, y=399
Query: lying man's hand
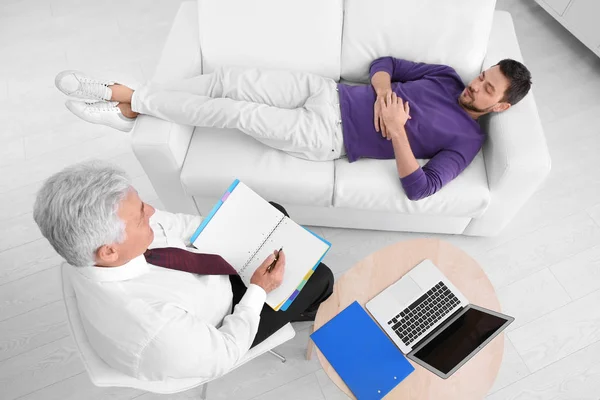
x=394, y=113
x=270, y=281
x=378, y=121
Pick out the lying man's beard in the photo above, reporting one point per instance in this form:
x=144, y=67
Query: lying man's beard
x=473, y=108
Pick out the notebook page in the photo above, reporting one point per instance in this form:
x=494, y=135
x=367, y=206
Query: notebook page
x=302, y=251
x=239, y=227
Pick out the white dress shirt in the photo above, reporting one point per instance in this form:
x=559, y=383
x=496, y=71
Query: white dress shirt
x=154, y=323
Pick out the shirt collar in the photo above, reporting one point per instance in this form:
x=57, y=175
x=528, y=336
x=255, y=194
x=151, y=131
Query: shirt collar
x=132, y=269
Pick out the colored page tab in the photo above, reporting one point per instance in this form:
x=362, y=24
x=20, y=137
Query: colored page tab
x=213, y=211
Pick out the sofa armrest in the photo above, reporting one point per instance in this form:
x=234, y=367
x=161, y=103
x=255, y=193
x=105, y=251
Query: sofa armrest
x=515, y=153
x=159, y=145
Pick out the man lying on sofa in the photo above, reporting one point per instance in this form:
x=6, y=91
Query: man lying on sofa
x=163, y=312
x=410, y=110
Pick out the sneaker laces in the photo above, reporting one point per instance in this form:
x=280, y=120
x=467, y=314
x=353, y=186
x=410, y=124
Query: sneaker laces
x=103, y=106
x=92, y=87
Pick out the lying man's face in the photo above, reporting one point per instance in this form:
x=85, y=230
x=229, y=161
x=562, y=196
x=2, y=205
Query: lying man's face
x=135, y=214
x=485, y=93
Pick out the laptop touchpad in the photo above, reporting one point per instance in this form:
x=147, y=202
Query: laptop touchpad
x=407, y=290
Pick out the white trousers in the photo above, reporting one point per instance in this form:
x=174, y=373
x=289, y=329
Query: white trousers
x=295, y=112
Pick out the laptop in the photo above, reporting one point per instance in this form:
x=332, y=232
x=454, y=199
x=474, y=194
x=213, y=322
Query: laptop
x=432, y=322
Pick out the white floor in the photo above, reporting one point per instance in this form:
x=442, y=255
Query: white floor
x=545, y=265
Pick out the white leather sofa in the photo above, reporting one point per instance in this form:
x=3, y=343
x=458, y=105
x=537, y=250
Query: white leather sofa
x=191, y=167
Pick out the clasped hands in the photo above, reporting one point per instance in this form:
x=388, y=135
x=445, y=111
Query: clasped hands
x=391, y=114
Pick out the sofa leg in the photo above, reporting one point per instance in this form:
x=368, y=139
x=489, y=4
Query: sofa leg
x=203, y=393
x=282, y=358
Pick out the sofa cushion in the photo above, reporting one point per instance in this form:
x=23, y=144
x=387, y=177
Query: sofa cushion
x=374, y=185
x=218, y=156
x=298, y=35
x=454, y=33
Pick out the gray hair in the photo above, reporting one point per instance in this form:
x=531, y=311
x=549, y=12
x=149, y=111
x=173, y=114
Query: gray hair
x=76, y=210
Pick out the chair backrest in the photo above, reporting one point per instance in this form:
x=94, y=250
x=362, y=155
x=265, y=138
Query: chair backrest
x=101, y=374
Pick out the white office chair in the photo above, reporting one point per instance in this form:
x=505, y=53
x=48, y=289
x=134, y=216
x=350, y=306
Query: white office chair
x=101, y=374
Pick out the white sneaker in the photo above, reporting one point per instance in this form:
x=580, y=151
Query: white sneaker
x=77, y=85
x=101, y=112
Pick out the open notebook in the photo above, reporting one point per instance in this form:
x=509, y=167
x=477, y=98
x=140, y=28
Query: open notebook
x=244, y=229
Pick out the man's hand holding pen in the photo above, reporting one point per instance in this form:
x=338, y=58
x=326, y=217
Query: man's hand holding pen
x=270, y=273
x=272, y=265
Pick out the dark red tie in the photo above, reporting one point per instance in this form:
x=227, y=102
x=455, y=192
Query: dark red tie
x=183, y=260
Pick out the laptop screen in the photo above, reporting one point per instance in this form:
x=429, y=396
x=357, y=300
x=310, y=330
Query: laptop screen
x=459, y=339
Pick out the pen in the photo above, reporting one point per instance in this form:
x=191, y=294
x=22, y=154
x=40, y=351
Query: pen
x=272, y=265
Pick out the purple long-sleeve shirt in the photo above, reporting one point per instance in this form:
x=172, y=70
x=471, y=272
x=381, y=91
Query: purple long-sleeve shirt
x=440, y=130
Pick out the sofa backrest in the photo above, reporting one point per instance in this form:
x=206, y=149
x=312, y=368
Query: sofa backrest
x=340, y=38
x=451, y=32
x=303, y=35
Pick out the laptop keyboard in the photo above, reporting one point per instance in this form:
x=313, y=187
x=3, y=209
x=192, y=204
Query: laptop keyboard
x=423, y=313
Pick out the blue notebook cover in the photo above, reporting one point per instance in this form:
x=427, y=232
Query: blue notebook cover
x=361, y=353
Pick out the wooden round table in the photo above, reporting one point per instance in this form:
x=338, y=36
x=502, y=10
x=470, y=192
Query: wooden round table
x=379, y=270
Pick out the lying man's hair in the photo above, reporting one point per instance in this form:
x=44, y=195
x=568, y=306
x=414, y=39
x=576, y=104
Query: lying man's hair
x=520, y=80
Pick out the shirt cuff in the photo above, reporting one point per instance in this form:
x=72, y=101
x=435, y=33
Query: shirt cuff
x=380, y=65
x=380, y=68
x=414, y=184
x=254, y=298
x=413, y=177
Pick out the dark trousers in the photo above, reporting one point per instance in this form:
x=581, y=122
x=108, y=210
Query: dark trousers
x=318, y=288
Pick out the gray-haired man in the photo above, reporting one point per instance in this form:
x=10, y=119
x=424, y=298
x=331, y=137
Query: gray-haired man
x=150, y=322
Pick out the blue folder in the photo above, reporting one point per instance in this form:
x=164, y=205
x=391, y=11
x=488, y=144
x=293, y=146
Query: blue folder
x=361, y=353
